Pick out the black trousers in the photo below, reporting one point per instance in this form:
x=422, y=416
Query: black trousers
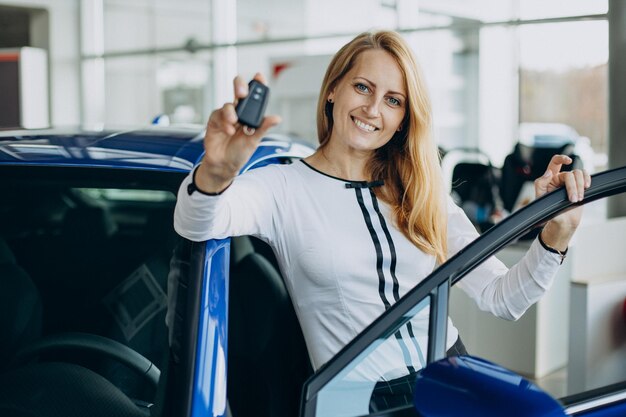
x=399, y=392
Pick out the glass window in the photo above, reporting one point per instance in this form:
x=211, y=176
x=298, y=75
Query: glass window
x=539, y=9
x=564, y=88
x=282, y=18
x=154, y=24
x=485, y=72
x=504, y=10
x=389, y=362
x=141, y=87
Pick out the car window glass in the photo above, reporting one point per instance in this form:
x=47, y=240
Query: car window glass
x=573, y=340
x=97, y=261
x=400, y=351
x=113, y=194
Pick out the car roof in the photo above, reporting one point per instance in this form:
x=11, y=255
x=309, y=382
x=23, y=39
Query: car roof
x=546, y=134
x=539, y=127
x=158, y=148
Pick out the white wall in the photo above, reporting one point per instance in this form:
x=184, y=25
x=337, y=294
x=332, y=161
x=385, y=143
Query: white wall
x=63, y=55
x=33, y=88
x=597, y=330
x=598, y=339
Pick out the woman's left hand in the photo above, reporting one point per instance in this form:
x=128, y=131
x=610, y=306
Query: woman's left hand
x=560, y=229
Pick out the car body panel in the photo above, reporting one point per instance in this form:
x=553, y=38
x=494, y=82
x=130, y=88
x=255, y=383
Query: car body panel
x=549, y=135
x=617, y=411
x=147, y=149
x=156, y=148
x=614, y=410
x=469, y=380
x=212, y=345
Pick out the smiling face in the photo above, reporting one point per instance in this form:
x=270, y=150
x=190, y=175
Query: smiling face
x=369, y=103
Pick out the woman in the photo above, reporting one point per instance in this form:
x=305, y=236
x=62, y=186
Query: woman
x=365, y=218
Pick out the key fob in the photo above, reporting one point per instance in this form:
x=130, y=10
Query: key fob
x=251, y=109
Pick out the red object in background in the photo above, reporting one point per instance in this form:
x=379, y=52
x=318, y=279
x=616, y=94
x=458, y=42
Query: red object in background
x=10, y=110
x=278, y=68
x=12, y=57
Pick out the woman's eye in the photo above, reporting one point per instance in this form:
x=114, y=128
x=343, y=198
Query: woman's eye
x=362, y=88
x=394, y=101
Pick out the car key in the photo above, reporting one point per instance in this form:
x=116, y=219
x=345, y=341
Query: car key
x=251, y=109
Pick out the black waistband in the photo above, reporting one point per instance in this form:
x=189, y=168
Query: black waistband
x=364, y=184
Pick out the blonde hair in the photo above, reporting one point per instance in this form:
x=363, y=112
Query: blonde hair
x=409, y=162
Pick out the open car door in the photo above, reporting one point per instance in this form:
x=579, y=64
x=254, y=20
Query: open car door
x=463, y=386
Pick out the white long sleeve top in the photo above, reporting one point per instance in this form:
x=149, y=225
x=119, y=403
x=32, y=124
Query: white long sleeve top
x=343, y=259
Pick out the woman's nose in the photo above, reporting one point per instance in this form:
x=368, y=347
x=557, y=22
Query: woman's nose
x=372, y=107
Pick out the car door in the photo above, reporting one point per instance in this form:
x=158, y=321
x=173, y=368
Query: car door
x=343, y=387
x=198, y=293
x=195, y=383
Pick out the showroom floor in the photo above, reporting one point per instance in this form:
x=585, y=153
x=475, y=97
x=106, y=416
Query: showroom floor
x=554, y=383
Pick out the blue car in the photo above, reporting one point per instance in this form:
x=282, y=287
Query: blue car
x=87, y=250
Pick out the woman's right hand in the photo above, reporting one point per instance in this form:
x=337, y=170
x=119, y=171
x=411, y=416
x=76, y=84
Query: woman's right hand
x=227, y=148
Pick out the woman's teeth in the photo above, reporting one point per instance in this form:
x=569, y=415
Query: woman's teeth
x=364, y=126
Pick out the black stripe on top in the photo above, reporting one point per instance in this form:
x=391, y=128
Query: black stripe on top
x=379, y=251
x=381, y=276
x=392, y=267
x=392, y=247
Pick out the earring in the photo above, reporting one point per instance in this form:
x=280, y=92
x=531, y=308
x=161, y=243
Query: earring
x=399, y=128
x=330, y=100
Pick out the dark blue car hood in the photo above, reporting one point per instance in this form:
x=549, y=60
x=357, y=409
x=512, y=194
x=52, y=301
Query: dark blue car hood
x=156, y=148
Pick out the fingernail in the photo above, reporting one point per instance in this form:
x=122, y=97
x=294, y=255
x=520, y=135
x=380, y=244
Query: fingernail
x=547, y=174
x=574, y=198
x=241, y=90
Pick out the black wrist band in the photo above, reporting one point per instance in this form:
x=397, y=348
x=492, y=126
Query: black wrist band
x=194, y=187
x=562, y=254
